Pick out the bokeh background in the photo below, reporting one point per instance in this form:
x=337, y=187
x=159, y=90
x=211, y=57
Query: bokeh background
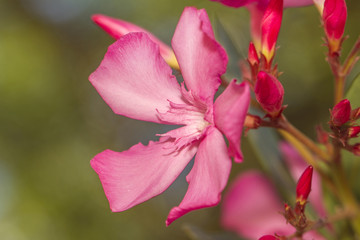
x=52, y=121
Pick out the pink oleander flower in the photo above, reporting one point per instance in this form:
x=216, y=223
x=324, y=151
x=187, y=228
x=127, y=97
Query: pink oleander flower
x=118, y=28
x=257, y=9
x=135, y=81
x=334, y=18
x=252, y=209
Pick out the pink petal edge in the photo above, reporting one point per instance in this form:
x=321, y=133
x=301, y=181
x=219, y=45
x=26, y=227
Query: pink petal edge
x=140, y=173
x=207, y=178
x=251, y=207
x=202, y=60
x=230, y=110
x=134, y=80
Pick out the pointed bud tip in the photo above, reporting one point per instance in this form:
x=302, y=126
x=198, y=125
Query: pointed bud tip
x=303, y=186
x=252, y=55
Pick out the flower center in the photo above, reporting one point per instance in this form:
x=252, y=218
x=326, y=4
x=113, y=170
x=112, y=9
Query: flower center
x=195, y=116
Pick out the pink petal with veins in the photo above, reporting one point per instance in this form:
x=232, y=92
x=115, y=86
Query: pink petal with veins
x=140, y=173
x=202, y=60
x=208, y=176
x=230, y=110
x=134, y=80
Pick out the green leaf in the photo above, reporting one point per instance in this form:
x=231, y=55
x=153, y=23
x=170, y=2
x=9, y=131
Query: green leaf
x=353, y=93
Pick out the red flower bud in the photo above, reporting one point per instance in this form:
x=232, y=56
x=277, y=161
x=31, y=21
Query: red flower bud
x=340, y=114
x=269, y=92
x=268, y=237
x=353, y=131
x=270, y=27
x=252, y=55
x=334, y=18
x=303, y=186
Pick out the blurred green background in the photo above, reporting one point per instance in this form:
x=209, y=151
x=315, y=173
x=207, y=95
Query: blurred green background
x=52, y=121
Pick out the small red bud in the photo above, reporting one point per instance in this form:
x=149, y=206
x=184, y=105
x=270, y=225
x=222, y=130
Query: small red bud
x=269, y=237
x=303, y=186
x=269, y=92
x=253, y=57
x=270, y=27
x=334, y=18
x=353, y=131
x=340, y=114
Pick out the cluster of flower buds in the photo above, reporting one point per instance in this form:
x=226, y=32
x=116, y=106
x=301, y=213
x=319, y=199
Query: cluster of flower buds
x=334, y=19
x=343, y=124
x=296, y=217
x=268, y=90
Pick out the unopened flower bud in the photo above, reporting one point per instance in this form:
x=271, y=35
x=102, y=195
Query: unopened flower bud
x=269, y=237
x=353, y=131
x=118, y=28
x=334, y=18
x=270, y=27
x=269, y=92
x=252, y=55
x=340, y=114
x=303, y=186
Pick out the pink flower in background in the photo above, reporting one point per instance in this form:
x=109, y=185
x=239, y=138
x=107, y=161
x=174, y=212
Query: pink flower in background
x=252, y=209
x=135, y=81
x=118, y=28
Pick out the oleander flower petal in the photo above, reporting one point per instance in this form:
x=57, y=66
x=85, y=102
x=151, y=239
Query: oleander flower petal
x=134, y=80
x=208, y=176
x=230, y=110
x=118, y=28
x=246, y=211
x=140, y=173
x=202, y=60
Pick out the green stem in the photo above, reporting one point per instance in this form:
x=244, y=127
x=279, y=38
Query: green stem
x=287, y=126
